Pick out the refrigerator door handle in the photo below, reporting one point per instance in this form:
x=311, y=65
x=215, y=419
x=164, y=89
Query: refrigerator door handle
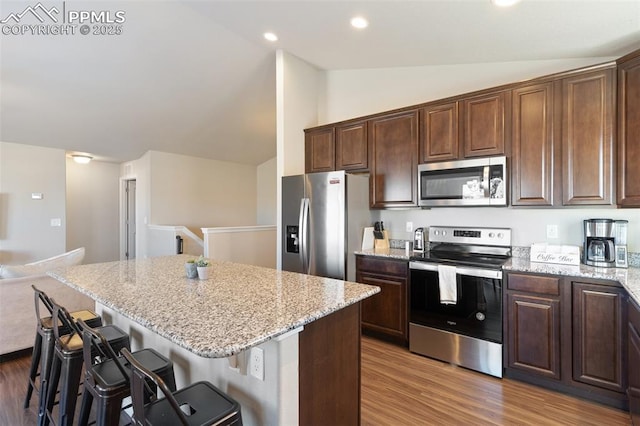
x=303, y=238
x=307, y=245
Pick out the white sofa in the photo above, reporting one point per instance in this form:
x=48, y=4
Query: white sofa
x=17, y=312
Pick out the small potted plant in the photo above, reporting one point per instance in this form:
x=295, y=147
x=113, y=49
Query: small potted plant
x=191, y=268
x=203, y=265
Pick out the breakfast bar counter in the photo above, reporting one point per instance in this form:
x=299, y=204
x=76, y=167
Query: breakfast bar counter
x=209, y=327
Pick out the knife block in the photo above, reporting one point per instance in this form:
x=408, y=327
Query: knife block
x=383, y=243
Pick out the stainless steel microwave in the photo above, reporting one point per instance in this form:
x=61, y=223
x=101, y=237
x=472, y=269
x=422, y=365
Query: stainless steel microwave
x=476, y=182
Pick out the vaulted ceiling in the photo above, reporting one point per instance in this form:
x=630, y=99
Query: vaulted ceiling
x=197, y=78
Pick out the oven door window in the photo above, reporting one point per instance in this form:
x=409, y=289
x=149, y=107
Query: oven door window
x=478, y=312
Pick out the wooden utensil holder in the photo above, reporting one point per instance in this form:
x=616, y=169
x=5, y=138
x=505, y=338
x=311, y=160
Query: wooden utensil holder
x=383, y=243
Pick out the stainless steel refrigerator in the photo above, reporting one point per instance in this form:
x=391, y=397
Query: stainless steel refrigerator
x=323, y=217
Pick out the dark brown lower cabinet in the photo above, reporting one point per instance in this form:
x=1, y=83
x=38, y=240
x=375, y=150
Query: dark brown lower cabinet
x=534, y=334
x=599, y=335
x=329, y=369
x=568, y=335
x=385, y=314
x=633, y=371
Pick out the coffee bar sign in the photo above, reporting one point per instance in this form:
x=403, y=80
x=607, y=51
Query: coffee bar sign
x=548, y=253
x=61, y=18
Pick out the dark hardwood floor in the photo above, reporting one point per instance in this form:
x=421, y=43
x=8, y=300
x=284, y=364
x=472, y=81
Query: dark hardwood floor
x=401, y=388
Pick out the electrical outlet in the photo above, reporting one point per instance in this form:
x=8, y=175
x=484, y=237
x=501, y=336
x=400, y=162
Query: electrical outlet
x=409, y=227
x=552, y=231
x=256, y=363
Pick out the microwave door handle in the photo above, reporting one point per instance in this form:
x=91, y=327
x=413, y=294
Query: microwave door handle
x=486, y=185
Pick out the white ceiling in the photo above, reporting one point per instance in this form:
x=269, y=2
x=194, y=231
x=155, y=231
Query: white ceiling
x=196, y=77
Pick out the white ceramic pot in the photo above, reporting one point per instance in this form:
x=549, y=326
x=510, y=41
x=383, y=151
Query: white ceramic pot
x=203, y=272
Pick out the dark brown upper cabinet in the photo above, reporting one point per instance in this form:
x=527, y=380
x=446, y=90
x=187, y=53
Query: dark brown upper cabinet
x=439, y=139
x=352, y=151
x=393, y=140
x=533, y=146
x=319, y=150
x=629, y=131
x=484, y=124
x=587, y=137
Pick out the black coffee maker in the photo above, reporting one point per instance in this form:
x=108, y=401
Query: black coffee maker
x=599, y=243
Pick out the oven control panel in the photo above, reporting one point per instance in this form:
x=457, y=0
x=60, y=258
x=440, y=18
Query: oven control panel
x=468, y=235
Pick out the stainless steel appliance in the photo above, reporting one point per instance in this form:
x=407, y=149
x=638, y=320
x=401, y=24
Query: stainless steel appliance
x=456, y=297
x=605, y=243
x=323, y=216
x=476, y=182
x=599, y=243
x=418, y=240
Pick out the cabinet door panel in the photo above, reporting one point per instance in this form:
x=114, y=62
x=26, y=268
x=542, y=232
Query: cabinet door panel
x=629, y=134
x=598, y=336
x=534, y=334
x=319, y=151
x=587, y=138
x=484, y=125
x=394, y=145
x=386, y=311
x=439, y=133
x=532, y=146
x=351, y=147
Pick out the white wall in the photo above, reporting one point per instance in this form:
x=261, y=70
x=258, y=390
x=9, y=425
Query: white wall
x=299, y=90
x=198, y=192
x=355, y=93
x=26, y=233
x=529, y=225
x=92, y=209
x=267, y=188
x=250, y=245
x=179, y=190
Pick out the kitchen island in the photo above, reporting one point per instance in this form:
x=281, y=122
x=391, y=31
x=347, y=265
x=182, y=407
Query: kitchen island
x=307, y=328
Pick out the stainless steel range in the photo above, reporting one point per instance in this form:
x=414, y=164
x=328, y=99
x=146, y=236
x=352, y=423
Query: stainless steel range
x=456, y=297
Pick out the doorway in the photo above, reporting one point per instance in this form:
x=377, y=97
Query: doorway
x=130, y=219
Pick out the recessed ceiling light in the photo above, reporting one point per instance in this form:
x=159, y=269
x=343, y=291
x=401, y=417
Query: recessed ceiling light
x=359, y=22
x=271, y=36
x=504, y=3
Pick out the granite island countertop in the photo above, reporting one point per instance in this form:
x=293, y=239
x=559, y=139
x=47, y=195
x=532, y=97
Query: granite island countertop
x=629, y=278
x=238, y=307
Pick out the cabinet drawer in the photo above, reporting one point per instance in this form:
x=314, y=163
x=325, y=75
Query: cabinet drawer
x=534, y=284
x=382, y=266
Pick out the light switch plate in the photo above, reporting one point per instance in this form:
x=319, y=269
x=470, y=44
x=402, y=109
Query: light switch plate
x=552, y=231
x=56, y=222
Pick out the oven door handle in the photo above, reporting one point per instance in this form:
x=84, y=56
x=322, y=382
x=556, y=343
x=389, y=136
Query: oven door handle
x=460, y=270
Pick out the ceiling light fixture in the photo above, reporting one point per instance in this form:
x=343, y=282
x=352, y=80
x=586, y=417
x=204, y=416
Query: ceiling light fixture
x=359, y=22
x=82, y=159
x=504, y=3
x=271, y=36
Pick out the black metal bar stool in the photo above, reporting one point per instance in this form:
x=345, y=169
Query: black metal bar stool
x=66, y=367
x=198, y=404
x=44, y=344
x=107, y=376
